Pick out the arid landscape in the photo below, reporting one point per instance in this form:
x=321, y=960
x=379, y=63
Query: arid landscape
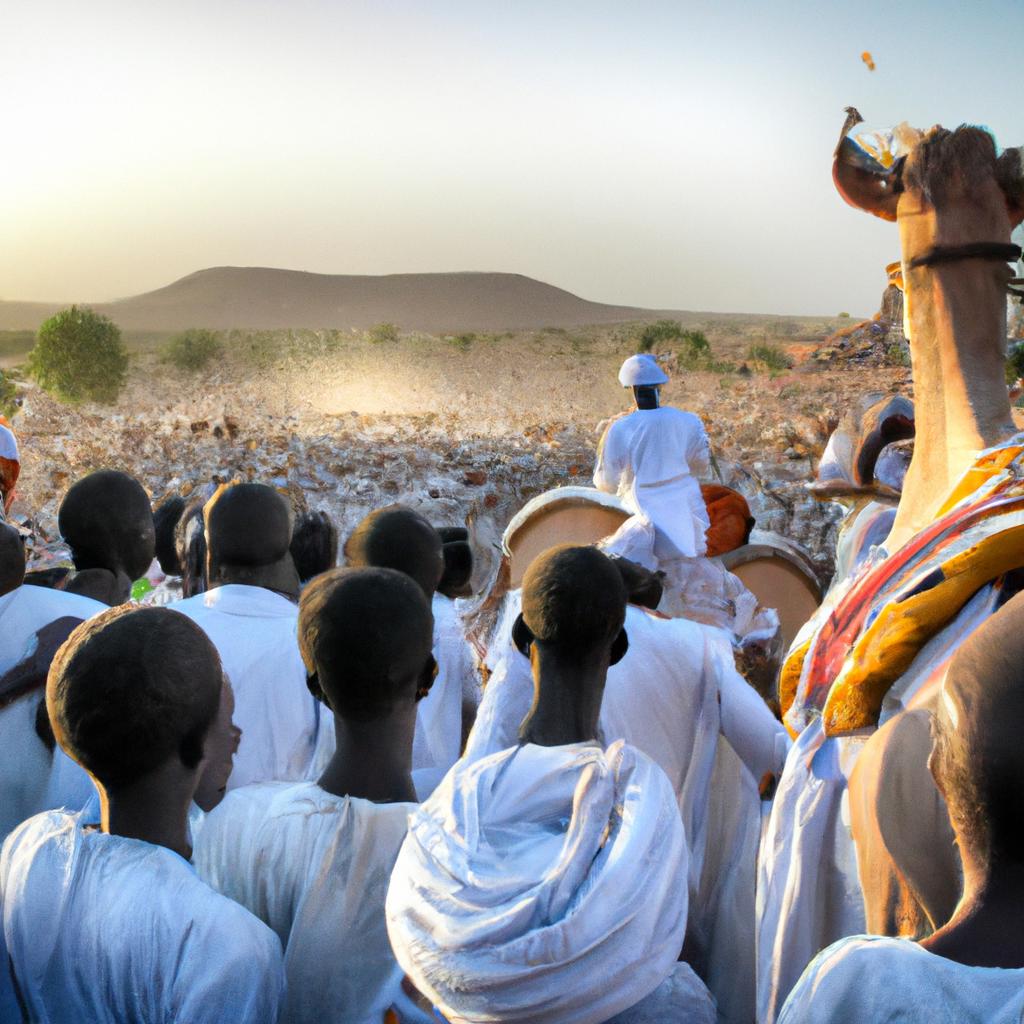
x=467, y=425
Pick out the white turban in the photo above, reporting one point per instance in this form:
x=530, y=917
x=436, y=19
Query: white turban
x=542, y=884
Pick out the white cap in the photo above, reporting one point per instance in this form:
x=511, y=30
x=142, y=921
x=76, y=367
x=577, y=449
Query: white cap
x=640, y=371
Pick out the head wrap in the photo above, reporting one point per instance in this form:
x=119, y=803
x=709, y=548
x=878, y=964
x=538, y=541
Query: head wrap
x=642, y=371
x=542, y=884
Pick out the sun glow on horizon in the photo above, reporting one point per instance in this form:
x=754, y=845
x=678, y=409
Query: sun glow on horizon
x=666, y=156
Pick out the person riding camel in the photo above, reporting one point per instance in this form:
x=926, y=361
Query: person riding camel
x=652, y=458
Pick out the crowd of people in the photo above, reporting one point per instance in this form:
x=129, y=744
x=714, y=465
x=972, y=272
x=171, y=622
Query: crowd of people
x=276, y=788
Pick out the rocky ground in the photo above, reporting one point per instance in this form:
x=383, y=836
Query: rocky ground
x=466, y=431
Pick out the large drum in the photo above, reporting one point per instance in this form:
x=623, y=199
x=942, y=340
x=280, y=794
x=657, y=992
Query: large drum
x=779, y=574
x=775, y=570
x=566, y=515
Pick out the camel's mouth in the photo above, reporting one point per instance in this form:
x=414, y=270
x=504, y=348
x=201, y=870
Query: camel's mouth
x=868, y=166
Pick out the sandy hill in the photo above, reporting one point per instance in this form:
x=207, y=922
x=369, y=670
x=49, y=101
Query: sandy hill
x=260, y=297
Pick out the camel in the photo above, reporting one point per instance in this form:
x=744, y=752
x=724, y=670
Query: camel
x=885, y=634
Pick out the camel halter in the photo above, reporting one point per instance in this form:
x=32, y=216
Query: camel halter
x=1004, y=252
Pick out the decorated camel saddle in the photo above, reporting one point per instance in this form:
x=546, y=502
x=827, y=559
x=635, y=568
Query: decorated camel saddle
x=873, y=625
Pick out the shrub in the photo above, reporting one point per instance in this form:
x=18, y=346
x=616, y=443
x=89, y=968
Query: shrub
x=694, y=352
x=8, y=396
x=659, y=333
x=381, y=333
x=844, y=316
x=193, y=349
x=462, y=341
x=771, y=357
x=79, y=354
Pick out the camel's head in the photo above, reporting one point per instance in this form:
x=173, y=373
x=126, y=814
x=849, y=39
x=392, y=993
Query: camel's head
x=904, y=172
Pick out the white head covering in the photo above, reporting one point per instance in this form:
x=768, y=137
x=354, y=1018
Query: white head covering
x=640, y=371
x=542, y=884
x=8, y=444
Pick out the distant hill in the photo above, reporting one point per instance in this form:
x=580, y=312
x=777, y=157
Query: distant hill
x=260, y=297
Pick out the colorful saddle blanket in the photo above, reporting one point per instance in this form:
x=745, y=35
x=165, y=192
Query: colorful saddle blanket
x=872, y=625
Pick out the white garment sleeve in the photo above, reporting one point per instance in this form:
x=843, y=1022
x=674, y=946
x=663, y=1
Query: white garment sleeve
x=611, y=462
x=698, y=454
x=759, y=739
x=506, y=702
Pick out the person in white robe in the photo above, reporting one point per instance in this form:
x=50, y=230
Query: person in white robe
x=33, y=623
x=896, y=981
x=400, y=538
x=971, y=969
x=109, y=923
x=251, y=613
x=673, y=695
x=548, y=881
x=313, y=859
x=652, y=458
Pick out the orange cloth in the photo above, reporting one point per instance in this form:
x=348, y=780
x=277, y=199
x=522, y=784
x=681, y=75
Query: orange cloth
x=730, y=517
x=9, y=467
x=9, y=470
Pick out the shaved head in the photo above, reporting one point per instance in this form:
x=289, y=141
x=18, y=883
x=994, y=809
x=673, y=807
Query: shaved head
x=248, y=524
x=573, y=597
x=130, y=689
x=248, y=533
x=398, y=538
x=978, y=757
x=366, y=634
x=106, y=520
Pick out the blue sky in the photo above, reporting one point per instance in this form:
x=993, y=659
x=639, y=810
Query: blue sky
x=653, y=153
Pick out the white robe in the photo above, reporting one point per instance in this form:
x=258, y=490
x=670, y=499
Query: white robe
x=255, y=633
x=437, y=741
x=652, y=458
x=808, y=892
x=27, y=762
x=543, y=884
x=110, y=930
x=896, y=981
x=315, y=867
x=671, y=696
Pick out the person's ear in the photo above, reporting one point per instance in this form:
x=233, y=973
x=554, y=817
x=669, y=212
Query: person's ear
x=314, y=687
x=521, y=636
x=619, y=647
x=428, y=674
x=191, y=750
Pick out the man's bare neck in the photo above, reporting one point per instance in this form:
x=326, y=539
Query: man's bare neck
x=372, y=760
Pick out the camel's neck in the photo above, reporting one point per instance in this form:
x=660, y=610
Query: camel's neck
x=956, y=320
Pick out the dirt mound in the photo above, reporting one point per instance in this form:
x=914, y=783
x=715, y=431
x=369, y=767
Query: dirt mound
x=259, y=297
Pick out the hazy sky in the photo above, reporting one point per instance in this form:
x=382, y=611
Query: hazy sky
x=671, y=154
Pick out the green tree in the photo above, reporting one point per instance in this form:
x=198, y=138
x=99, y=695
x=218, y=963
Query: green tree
x=78, y=355
x=193, y=349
